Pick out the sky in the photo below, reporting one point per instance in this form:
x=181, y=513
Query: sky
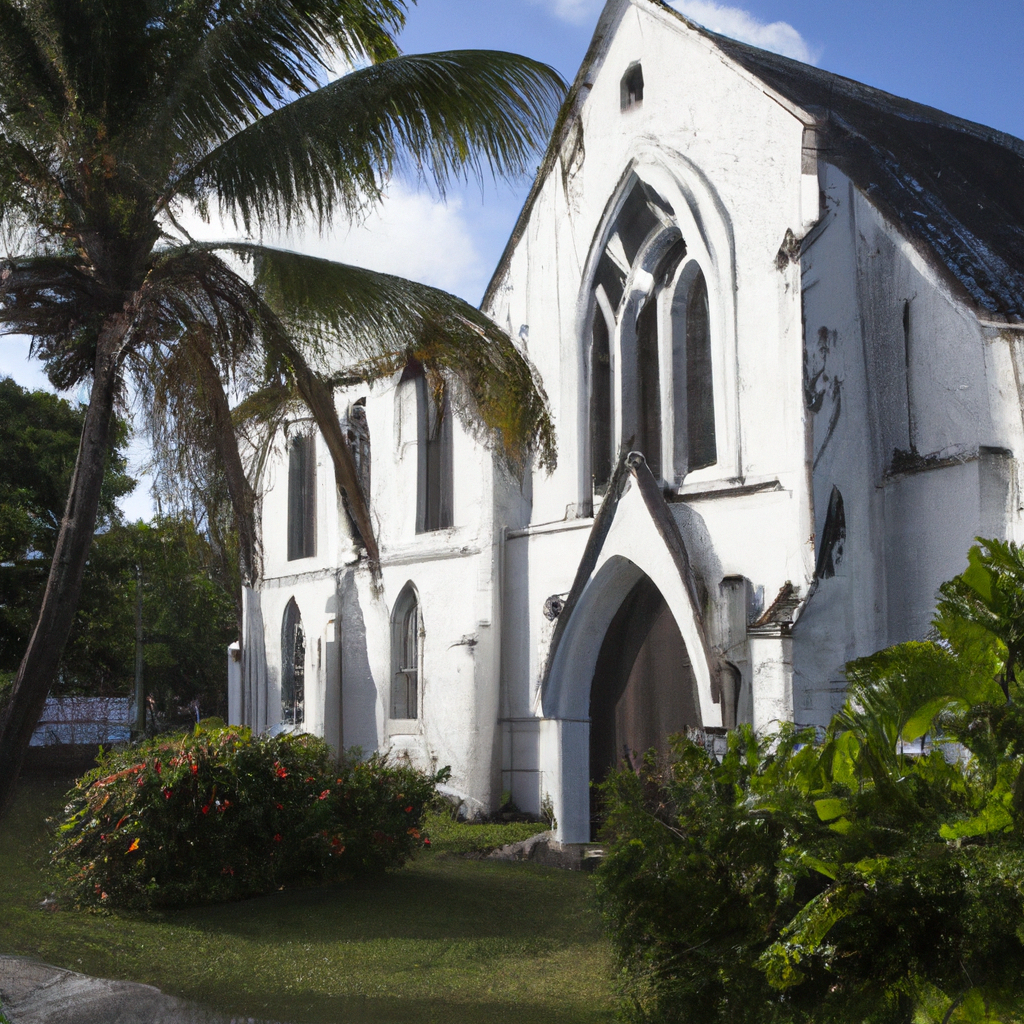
x=963, y=57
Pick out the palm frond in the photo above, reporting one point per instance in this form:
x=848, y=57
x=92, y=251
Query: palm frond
x=442, y=116
x=246, y=57
x=369, y=325
x=32, y=74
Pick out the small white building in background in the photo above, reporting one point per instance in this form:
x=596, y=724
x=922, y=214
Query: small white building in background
x=778, y=317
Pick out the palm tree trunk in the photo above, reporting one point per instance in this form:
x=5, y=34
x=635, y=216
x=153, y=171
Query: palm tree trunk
x=39, y=666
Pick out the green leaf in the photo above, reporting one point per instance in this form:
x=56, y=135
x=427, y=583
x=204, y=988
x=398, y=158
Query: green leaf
x=979, y=577
x=831, y=807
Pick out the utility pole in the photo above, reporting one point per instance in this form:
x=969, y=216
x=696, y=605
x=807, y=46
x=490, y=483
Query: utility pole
x=140, y=689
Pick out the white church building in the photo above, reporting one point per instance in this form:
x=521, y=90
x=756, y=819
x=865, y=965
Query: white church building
x=778, y=316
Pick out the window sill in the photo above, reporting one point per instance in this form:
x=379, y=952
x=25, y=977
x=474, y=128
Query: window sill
x=404, y=727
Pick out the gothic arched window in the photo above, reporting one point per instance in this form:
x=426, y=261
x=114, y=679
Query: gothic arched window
x=358, y=435
x=301, y=496
x=405, y=655
x=602, y=451
x=293, y=666
x=694, y=441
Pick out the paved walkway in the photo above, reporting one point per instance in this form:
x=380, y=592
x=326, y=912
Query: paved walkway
x=35, y=993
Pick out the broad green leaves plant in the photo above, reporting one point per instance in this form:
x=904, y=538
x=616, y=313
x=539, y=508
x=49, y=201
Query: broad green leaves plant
x=873, y=874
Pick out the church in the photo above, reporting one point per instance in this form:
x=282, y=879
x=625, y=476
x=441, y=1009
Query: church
x=779, y=318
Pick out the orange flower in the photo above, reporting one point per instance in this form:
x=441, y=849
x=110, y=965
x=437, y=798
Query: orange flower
x=414, y=832
x=134, y=846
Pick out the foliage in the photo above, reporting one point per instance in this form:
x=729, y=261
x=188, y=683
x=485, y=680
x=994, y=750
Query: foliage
x=222, y=814
x=39, y=438
x=872, y=875
x=188, y=617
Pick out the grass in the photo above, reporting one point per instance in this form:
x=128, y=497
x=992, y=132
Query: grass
x=445, y=939
x=456, y=837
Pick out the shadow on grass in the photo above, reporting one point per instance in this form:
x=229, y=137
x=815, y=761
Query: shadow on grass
x=433, y=898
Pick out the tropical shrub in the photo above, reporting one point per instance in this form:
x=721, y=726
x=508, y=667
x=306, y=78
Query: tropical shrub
x=221, y=814
x=873, y=874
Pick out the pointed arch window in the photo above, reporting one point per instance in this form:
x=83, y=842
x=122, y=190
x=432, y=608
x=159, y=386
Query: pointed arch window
x=405, y=656
x=695, y=444
x=601, y=444
x=293, y=666
x=648, y=387
x=301, y=496
x=358, y=435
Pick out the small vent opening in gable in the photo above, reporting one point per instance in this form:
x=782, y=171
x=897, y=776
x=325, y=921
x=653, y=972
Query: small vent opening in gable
x=632, y=87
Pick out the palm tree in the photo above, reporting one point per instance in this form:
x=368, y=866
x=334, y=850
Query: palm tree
x=115, y=115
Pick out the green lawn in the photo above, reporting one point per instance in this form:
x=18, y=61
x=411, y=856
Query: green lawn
x=446, y=939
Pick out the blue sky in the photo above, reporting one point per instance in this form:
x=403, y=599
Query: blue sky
x=967, y=58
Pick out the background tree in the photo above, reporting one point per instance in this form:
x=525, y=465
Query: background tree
x=114, y=115
x=39, y=437
x=873, y=875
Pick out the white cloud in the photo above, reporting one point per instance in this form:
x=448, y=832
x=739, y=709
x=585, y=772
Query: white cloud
x=410, y=234
x=777, y=36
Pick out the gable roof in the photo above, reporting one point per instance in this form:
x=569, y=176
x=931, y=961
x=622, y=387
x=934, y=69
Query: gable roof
x=954, y=188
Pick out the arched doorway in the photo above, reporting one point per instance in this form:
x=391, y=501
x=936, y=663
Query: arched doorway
x=644, y=689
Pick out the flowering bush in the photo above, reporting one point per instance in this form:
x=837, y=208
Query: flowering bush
x=222, y=814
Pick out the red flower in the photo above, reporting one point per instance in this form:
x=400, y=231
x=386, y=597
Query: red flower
x=325, y=794
x=277, y=838
x=206, y=809
x=195, y=769
x=156, y=767
x=408, y=809
x=281, y=773
x=426, y=842
x=167, y=793
x=311, y=779
x=280, y=807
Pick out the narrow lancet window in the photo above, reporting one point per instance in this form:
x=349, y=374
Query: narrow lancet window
x=358, y=435
x=301, y=497
x=405, y=656
x=293, y=666
x=600, y=404
x=700, y=394
x=648, y=420
x=436, y=476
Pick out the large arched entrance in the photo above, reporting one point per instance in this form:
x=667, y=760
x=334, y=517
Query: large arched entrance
x=644, y=689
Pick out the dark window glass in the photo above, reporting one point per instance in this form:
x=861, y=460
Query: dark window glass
x=405, y=657
x=301, y=497
x=635, y=222
x=436, y=498
x=293, y=666
x=600, y=404
x=700, y=395
x=631, y=89
x=648, y=420
x=358, y=434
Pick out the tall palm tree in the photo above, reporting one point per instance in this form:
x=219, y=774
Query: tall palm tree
x=117, y=114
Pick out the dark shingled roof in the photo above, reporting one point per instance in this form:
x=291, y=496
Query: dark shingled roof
x=955, y=188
